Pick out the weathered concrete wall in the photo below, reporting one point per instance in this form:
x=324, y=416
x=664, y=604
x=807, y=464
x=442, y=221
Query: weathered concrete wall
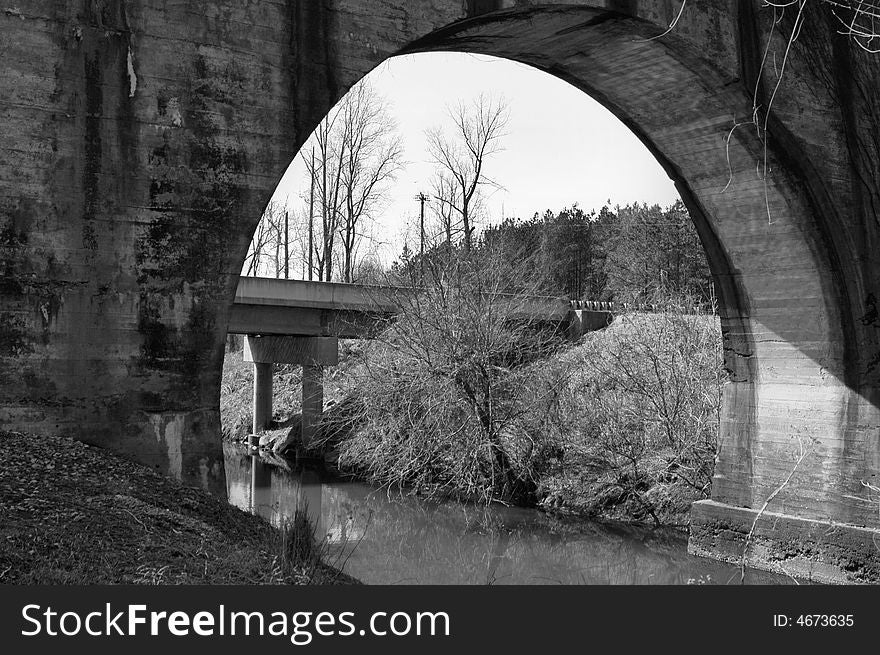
x=142, y=140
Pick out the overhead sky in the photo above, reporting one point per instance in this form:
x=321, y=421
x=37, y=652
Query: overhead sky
x=561, y=147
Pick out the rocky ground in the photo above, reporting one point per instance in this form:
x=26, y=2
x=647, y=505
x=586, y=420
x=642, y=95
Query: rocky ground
x=76, y=514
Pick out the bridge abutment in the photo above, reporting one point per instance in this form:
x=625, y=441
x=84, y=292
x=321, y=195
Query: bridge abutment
x=824, y=551
x=581, y=321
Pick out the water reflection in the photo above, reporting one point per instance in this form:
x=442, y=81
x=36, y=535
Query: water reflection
x=275, y=490
x=406, y=540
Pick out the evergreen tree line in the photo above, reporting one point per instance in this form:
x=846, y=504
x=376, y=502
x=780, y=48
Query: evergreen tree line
x=624, y=254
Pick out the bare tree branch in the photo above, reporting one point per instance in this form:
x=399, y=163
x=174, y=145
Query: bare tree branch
x=476, y=135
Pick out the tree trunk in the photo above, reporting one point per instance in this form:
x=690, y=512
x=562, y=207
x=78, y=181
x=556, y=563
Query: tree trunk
x=466, y=222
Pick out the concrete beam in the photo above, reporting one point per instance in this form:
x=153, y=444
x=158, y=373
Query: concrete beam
x=297, y=307
x=306, y=351
x=316, y=295
x=303, y=321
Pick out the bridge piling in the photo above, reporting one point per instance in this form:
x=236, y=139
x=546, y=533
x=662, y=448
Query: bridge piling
x=581, y=321
x=313, y=354
x=262, y=395
x=312, y=401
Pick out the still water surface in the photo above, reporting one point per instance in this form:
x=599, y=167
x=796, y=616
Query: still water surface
x=382, y=539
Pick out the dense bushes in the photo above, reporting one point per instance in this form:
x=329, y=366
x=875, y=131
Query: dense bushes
x=637, y=416
x=465, y=394
x=438, y=393
x=460, y=397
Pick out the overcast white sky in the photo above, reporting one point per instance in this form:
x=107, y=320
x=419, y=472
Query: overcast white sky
x=561, y=147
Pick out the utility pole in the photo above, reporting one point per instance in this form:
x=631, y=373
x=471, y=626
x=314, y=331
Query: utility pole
x=422, y=198
x=312, y=215
x=286, y=246
x=678, y=253
x=645, y=253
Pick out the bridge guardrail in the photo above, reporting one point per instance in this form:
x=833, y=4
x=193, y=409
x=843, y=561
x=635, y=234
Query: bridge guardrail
x=621, y=307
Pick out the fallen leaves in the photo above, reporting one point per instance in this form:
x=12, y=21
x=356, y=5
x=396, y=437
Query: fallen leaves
x=76, y=514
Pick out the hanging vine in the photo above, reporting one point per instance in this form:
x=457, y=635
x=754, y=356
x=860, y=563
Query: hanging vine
x=858, y=20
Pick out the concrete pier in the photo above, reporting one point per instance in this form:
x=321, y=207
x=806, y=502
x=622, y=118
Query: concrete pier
x=312, y=401
x=263, y=372
x=312, y=353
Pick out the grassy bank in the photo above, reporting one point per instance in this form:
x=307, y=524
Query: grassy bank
x=636, y=418
x=76, y=514
x=619, y=426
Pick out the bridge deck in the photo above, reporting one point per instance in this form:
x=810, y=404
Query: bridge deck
x=307, y=308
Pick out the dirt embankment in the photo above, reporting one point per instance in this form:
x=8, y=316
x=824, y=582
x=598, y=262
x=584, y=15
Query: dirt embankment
x=76, y=514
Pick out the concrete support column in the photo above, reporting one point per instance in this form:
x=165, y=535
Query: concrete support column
x=313, y=354
x=312, y=401
x=262, y=395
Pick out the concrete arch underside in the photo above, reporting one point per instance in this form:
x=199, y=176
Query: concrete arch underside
x=143, y=142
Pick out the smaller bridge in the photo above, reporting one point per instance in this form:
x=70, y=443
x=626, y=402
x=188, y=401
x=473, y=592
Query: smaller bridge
x=271, y=306
x=301, y=322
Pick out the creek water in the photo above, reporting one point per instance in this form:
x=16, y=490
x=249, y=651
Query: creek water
x=383, y=538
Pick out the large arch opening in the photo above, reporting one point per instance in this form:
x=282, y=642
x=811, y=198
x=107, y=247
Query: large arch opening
x=579, y=218
x=780, y=298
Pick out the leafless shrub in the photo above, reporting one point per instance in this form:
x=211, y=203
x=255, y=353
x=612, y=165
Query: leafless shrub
x=638, y=415
x=438, y=396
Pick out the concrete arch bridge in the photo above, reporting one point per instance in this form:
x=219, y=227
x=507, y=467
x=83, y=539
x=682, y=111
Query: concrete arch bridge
x=143, y=138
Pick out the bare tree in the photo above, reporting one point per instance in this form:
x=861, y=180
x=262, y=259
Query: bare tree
x=324, y=166
x=351, y=158
x=298, y=238
x=436, y=400
x=257, y=249
x=275, y=217
x=461, y=156
x=267, y=243
x=447, y=221
x=373, y=153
